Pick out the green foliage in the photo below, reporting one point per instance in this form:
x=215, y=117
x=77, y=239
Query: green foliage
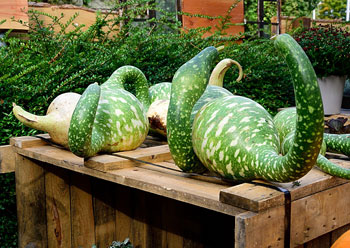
x=332, y=9
x=298, y=8
x=266, y=76
x=328, y=49
x=8, y=220
x=289, y=8
x=52, y=60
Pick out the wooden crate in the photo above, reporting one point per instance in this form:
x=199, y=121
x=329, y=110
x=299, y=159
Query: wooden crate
x=64, y=201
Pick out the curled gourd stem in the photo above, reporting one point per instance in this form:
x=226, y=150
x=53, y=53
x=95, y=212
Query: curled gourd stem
x=217, y=75
x=220, y=48
x=130, y=75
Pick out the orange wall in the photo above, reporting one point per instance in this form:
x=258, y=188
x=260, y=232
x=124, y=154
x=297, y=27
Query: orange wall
x=212, y=8
x=9, y=8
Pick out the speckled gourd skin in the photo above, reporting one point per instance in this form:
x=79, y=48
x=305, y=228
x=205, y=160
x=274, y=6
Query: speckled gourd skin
x=108, y=118
x=235, y=137
x=188, y=85
x=160, y=91
x=160, y=96
x=339, y=143
x=285, y=123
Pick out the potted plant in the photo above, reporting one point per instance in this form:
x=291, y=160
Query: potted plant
x=328, y=48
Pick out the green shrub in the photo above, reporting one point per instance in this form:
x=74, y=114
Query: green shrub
x=266, y=76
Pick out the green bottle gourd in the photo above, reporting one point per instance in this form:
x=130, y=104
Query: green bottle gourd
x=160, y=96
x=108, y=118
x=235, y=136
x=285, y=123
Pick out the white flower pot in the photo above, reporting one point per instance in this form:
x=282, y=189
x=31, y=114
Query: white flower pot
x=332, y=88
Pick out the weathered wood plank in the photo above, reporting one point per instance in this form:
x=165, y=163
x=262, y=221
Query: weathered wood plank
x=139, y=223
x=124, y=215
x=257, y=198
x=110, y=162
x=82, y=215
x=7, y=159
x=30, y=195
x=28, y=141
x=58, y=210
x=263, y=229
x=104, y=212
x=172, y=236
x=321, y=213
x=252, y=197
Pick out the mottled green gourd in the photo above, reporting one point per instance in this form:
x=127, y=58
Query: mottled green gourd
x=285, y=123
x=108, y=118
x=160, y=96
x=188, y=85
x=339, y=143
x=157, y=112
x=235, y=136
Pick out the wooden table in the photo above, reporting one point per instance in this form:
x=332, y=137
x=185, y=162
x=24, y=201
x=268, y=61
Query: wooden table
x=64, y=201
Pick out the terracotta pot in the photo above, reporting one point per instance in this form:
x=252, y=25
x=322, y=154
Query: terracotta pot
x=332, y=88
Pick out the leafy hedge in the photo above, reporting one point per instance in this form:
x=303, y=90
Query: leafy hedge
x=47, y=63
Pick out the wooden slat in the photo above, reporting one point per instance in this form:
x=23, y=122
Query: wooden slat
x=30, y=196
x=252, y=197
x=263, y=229
x=124, y=215
x=28, y=141
x=172, y=237
x=104, y=212
x=58, y=212
x=7, y=159
x=321, y=213
x=110, y=162
x=257, y=198
x=82, y=216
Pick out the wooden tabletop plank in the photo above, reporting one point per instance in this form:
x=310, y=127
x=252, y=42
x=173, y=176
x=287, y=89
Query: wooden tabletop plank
x=108, y=162
x=173, y=184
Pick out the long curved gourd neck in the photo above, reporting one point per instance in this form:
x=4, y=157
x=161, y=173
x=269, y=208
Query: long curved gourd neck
x=218, y=74
x=309, y=124
x=188, y=84
x=82, y=123
x=133, y=75
x=42, y=123
x=338, y=143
